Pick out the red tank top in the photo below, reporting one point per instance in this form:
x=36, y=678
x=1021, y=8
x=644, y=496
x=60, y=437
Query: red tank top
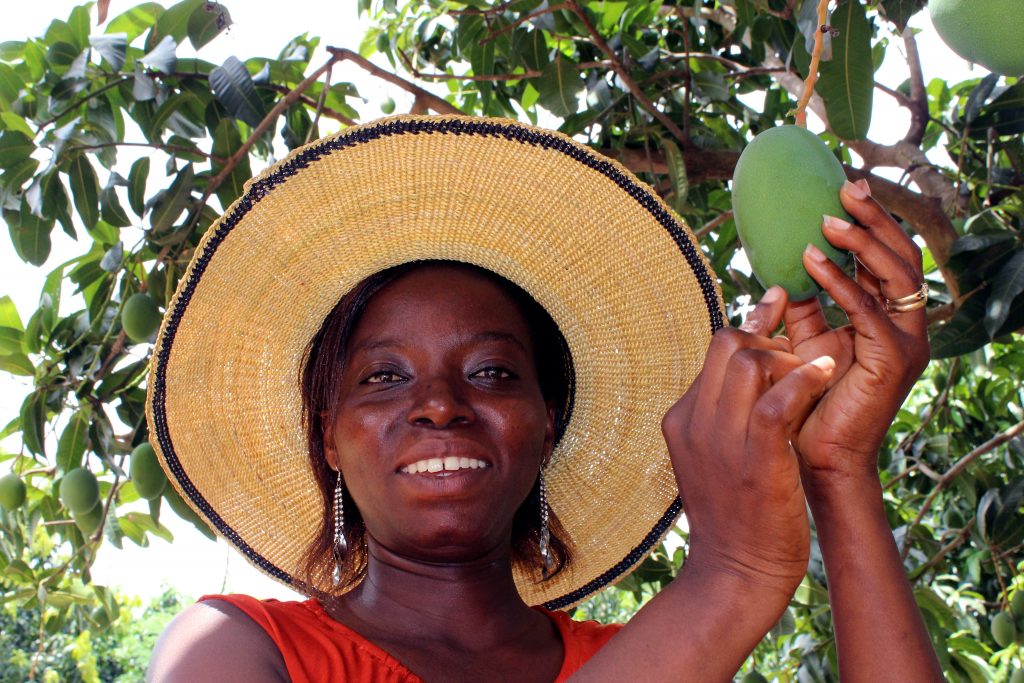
x=315, y=647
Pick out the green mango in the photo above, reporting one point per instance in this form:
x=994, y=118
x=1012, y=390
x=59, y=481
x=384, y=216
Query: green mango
x=140, y=317
x=990, y=33
x=785, y=181
x=146, y=473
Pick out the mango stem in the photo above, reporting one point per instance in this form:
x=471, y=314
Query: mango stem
x=812, y=72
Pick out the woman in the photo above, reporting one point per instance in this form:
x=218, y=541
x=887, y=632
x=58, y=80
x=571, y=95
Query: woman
x=484, y=437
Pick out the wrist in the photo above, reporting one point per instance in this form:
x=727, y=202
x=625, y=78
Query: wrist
x=745, y=582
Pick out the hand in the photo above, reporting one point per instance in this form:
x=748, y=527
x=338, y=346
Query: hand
x=879, y=355
x=729, y=440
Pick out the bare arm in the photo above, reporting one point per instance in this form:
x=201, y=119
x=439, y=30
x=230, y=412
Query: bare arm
x=879, y=632
x=729, y=439
x=215, y=641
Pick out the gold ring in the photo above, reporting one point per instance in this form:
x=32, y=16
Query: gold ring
x=910, y=302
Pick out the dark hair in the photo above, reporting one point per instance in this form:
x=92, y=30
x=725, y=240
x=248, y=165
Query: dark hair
x=321, y=377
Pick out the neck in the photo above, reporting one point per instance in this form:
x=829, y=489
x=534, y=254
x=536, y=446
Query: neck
x=401, y=598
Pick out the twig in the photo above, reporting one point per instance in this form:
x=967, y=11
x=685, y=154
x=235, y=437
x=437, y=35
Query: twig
x=627, y=78
x=438, y=104
x=82, y=100
x=529, y=73
x=918, y=94
x=955, y=471
x=164, y=148
x=713, y=223
x=524, y=19
x=320, y=105
x=962, y=536
x=812, y=73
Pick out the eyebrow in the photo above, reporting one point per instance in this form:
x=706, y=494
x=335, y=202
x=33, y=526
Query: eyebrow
x=391, y=342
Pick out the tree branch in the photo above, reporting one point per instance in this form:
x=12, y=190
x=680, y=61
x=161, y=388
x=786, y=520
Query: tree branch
x=438, y=104
x=955, y=471
x=627, y=79
x=918, y=95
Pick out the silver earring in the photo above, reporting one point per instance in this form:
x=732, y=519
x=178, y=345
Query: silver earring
x=545, y=533
x=340, y=543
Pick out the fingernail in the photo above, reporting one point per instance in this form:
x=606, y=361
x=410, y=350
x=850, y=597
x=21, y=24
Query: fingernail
x=864, y=185
x=772, y=294
x=825, y=363
x=835, y=223
x=815, y=253
x=855, y=191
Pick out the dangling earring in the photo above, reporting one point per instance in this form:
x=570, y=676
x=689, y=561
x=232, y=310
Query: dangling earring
x=545, y=533
x=340, y=548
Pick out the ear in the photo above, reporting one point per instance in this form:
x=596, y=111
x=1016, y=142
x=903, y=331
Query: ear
x=549, y=435
x=330, y=452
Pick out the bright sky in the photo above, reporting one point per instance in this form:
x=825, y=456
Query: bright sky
x=192, y=563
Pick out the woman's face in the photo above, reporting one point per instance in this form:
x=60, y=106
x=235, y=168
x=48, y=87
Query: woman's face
x=441, y=425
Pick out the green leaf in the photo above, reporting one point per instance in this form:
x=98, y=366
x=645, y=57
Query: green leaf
x=62, y=54
x=17, y=364
x=85, y=188
x=10, y=85
x=111, y=209
x=1006, y=286
x=30, y=236
x=33, y=421
x=16, y=123
x=172, y=201
x=173, y=23
x=559, y=87
x=847, y=82
x=137, y=178
x=206, y=22
x=15, y=148
x=113, y=47
x=964, y=332
x=900, y=11
x=17, y=175
x=677, y=173
x=1004, y=115
x=9, y=314
x=10, y=340
x=226, y=141
x=233, y=87
x=73, y=441
x=134, y=22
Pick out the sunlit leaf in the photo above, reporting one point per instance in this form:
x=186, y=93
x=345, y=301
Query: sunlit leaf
x=847, y=82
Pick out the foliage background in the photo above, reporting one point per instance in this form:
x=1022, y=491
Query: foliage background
x=108, y=135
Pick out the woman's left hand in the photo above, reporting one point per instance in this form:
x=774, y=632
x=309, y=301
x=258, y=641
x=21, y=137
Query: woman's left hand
x=879, y=355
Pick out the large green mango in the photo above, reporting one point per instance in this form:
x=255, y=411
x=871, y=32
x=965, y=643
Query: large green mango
x=785, y=181
x=986, y=32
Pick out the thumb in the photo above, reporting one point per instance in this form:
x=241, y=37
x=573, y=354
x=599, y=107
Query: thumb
x=782, y=410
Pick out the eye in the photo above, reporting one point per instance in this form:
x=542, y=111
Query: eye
x=494, y=372
x=384, y=377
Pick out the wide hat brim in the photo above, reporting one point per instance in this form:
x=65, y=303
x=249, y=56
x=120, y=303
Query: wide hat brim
x=620, y=274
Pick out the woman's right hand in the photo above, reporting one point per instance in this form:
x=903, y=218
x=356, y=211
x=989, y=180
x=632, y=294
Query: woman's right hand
x=729, y=440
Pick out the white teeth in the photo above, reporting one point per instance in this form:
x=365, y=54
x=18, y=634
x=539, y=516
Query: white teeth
x=449, y=463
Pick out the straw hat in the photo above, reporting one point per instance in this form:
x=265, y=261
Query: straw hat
x=620, y=274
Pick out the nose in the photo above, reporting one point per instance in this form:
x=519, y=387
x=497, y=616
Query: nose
x=440, y=404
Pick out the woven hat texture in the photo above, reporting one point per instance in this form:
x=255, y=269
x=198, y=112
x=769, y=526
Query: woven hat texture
x=619, y=273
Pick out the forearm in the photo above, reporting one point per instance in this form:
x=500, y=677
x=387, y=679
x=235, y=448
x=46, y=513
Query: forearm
x=699, y=629
x=879, y=631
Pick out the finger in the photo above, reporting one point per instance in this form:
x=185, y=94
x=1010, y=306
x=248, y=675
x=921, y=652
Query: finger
x=750, y=374
x=857, y=200
x=866, y=313
x=896, y=278
x=783, y=342
x=724, y=345
x=781, y=411
x=867, y=280
x=805, y=320
x=767, y=315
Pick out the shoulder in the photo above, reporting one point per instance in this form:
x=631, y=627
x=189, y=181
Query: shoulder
x=214, y=640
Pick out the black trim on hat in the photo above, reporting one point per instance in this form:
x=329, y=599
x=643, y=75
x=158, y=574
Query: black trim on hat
x=260, y=188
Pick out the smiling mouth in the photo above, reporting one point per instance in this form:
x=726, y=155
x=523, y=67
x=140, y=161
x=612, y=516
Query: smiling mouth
x=449, y=463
